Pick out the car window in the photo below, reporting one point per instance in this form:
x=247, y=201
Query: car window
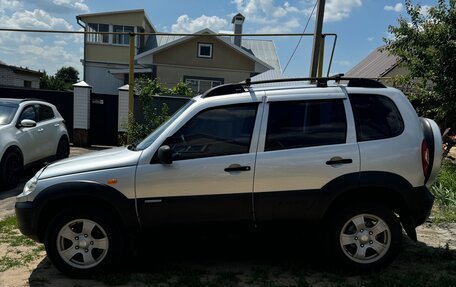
x=29, y=113
x=297, y=124
x=215, y=132
x=46, y=112
x=376, y=117
x=7, y=113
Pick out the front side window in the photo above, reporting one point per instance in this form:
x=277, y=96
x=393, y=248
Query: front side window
x=205, y=50
x=7, y=113
x=298, y=124
x=376, y=117
x=98, y=38
x=29, y=113
x=215, y=132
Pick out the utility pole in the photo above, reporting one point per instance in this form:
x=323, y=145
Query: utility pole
x=131, y=74
x=318, y=39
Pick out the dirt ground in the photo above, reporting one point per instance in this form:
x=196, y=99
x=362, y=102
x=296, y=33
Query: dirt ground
x=248, y=262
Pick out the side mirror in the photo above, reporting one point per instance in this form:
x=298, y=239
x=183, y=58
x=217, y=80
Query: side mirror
x=165, y=155
x=27, y=124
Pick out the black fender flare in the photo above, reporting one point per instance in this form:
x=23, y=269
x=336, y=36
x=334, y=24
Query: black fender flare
x=68, y=193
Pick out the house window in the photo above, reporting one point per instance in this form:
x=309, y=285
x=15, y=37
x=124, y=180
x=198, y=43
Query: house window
x=204, y=50
x=27, y=84
x=200, y=85
x=122, y=39
x=98, y=38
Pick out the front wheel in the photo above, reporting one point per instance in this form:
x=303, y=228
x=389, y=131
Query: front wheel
x=10, y=170
x=365, y=237
x=80, y=244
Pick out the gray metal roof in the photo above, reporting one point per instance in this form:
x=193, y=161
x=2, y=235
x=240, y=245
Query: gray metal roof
x=376, y=65
x=262, y=49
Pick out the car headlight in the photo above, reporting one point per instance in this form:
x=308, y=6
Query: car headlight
x=29, y=187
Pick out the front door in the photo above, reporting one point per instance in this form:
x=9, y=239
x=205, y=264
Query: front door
x=211, y=178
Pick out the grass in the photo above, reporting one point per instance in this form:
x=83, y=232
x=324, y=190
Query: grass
x=11, y=238
x=444, y=191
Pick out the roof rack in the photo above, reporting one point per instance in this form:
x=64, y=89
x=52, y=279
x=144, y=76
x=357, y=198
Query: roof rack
x=319, y=81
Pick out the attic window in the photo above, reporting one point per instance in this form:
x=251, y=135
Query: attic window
x=205, y=50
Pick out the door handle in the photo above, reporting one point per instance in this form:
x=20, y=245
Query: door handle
x=56, y=125
x=237, y=167
x=40, y=130
x=339, y=160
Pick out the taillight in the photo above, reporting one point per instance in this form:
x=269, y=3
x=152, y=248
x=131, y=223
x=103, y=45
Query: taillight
x=425, y=157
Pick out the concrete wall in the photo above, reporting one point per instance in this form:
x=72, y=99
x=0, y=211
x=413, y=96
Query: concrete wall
x=10, y=78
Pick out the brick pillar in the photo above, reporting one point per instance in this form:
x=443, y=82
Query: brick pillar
x=81, y=114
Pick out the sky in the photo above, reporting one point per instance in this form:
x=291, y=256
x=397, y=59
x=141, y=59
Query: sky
x=360, y=25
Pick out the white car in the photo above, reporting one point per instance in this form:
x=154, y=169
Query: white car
x=30, y=131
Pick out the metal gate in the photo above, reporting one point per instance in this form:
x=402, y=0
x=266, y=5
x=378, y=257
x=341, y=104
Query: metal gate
x=103, y=119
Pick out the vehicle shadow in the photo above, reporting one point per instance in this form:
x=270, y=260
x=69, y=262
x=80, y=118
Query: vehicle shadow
x=252, y=259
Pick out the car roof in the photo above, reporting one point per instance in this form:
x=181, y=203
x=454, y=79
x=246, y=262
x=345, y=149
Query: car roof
x=19, y=101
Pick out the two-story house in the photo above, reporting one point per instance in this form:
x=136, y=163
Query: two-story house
x=199, y=60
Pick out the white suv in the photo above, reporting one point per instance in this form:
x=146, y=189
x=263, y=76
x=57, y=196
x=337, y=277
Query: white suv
x=30, y=131
x=355, y=158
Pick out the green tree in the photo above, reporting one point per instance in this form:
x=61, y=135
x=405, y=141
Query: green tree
x=51, y=83
x=69, y=75
x=426, y=44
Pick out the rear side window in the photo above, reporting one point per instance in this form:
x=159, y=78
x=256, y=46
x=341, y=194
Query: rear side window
x=299, y=124
x=46, y=113
x=376, y=117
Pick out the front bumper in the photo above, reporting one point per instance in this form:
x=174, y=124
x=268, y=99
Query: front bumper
x=26, y=220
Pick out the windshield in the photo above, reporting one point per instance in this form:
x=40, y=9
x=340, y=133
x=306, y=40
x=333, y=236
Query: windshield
x=7, y=113
x=157, y=132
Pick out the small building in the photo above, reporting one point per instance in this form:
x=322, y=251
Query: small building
x=200, y=61
x=19, y=77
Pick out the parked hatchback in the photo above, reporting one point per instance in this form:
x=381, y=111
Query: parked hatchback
x=354, y=158
x=30, y=131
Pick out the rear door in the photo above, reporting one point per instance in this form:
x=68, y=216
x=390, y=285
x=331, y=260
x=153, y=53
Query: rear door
x=50, y=130
x=305, y=144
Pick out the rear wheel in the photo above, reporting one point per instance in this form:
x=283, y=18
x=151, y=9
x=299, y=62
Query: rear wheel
x=365, y=237
x=63, y=149
x=10, y=170
x=81, y=243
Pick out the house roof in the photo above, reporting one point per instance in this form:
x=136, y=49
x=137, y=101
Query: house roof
x=21, y=70
x=376, y=65
x=261, y=51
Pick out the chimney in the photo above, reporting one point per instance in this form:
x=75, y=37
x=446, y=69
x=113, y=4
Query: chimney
x=238, y=20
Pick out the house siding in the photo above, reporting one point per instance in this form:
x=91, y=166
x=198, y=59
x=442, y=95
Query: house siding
x=107, y=53
x=169, y=76
x=103, y=82
x=223, y=56
x=127, y=19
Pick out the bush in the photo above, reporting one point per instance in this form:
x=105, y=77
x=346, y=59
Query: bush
x=145, y=89
x=444, y=191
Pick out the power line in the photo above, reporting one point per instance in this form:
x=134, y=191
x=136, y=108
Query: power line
x=300, y=38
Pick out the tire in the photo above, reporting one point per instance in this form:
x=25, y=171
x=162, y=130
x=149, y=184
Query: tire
x=364, y=237
x=83, y=243
x=63, y=149
x=10, y=170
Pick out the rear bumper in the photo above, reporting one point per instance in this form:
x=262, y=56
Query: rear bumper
x=419, y=203
x=25, y=219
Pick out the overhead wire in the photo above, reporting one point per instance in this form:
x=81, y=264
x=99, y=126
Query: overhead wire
x=300, y=38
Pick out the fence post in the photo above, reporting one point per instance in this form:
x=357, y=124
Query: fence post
x=81, y=114
x=123, y=108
